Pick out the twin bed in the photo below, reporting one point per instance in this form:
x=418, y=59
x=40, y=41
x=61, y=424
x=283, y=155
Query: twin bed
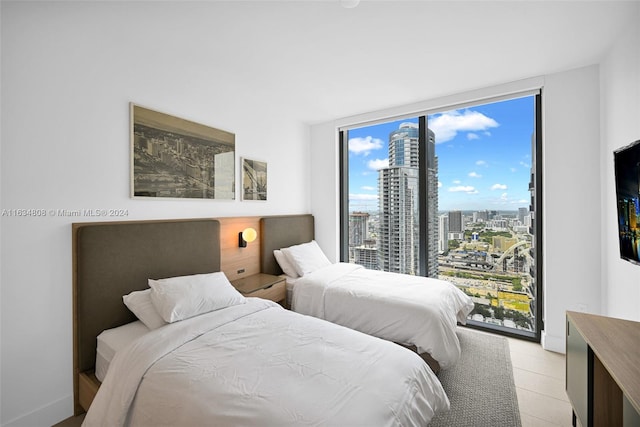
x=241, y=361
x=417, y=312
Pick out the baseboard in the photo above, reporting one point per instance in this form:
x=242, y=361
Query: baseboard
x=553, y=343
x=45, y=416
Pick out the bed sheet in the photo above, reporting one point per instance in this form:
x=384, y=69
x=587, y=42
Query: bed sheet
x=113, y=340
x=290, y=283
x=410, y=310
x=258, y=364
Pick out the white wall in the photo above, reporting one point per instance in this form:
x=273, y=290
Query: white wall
x=571, y=203
x=325, y=203
x=571, y=200
x=620, y=81
x=69, y=71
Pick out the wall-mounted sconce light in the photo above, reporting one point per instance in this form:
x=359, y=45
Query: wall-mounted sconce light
x=245, y=236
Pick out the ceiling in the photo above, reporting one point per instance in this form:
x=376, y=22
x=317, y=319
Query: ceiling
x=325, y=61
x=320, y=61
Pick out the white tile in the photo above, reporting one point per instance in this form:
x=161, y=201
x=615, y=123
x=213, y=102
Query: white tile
x=531, y=421
x=552, y=364
x=544, y=407
x=539, y=383
x=539, y=376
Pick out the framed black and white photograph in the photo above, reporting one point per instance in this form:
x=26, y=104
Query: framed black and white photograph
x=254, y=180
x=177, y=158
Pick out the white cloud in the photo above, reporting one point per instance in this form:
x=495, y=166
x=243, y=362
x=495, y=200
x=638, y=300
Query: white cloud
x=369, y=188
x=463, y=189
x=457, y=181
x=513, y=169
x=499, y=187
x=378, y=164
x=439, y=184
x=504, y=196
x=363, y=197
x=520, y=202
x=447, y=125
x=475, y=175
x=365, y=145
x=481, y=163
x=471, y=136
x=525, y=165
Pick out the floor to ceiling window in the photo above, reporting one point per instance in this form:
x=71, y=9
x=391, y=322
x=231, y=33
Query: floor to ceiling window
x=452, y=194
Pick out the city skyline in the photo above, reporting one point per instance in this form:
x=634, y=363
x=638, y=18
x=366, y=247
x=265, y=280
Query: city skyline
x=484, y=157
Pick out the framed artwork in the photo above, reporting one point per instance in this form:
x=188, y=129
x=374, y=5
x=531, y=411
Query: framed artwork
x=177, y=158
x=254, y=180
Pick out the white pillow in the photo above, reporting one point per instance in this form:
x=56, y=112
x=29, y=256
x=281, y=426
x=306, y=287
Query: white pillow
x=306, y=257
x=139, y=302
x=286, y=266
x=179, y=298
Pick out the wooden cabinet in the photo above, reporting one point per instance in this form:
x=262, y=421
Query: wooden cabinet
x=603, y=370
x=577, y=367
x=262, y=285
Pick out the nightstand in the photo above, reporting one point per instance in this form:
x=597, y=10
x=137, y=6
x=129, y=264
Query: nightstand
x=262, y=285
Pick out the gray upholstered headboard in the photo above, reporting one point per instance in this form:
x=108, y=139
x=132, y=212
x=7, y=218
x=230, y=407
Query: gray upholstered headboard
x=279, y=232
x=113, y=259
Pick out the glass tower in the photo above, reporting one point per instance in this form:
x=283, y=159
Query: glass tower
x=398, y=188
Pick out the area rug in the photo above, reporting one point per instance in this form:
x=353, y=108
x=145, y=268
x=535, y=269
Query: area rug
x=480, y=386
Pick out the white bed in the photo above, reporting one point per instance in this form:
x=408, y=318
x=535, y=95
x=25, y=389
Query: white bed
x=113, y=340
x=210, y=356
x=255, y=363
x=410, y=310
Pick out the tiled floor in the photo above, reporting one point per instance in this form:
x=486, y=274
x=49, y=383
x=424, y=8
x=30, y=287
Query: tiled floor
x=539, y=378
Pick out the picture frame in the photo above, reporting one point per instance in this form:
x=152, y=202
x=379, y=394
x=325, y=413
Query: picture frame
x=254, y=180
x=173, y=157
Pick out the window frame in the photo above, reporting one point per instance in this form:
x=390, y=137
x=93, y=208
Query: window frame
x=535, y=207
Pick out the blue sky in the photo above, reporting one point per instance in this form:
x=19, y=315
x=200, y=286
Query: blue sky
x=484, y=157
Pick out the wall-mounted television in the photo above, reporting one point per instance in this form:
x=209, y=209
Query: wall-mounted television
x=627, y=170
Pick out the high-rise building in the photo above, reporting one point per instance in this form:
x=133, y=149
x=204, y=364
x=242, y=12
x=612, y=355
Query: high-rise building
x=455, y=222
x=522, y=213
x=432, y=206
x=366, y=256
x=358, y=235
x=358, y=228
x=443, y=233
x=532, y=268
x=481, y=216
x=398, y=188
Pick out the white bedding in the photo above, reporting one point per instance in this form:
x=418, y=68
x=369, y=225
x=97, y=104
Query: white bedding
x=290, y=283
x=256, y=364
x=410, y=310
x=113, y=340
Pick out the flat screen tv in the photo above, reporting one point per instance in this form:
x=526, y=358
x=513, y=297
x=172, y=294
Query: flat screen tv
x=627, y=171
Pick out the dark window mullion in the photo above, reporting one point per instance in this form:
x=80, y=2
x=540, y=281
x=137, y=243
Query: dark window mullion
x=422, y=191
x=537, y=209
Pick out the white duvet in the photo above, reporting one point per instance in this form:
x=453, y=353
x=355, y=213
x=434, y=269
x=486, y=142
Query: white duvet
x=410, y=310
x=256, y=364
